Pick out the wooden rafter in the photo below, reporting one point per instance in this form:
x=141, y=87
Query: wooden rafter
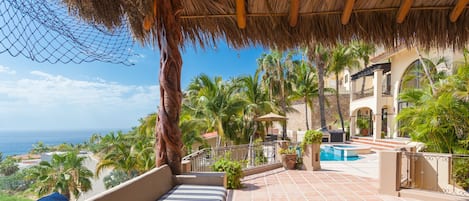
x=403, y=10
x=347, y=11
x=241, y=13
x=294, y=12
x=458, y=9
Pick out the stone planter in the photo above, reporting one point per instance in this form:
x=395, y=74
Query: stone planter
x=289, y=161
x=311, y=157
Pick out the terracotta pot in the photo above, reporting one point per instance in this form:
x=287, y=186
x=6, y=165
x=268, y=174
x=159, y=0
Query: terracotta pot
x=364, y=131
x=289, y=161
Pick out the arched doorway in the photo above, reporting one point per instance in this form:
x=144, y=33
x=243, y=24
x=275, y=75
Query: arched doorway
x=364, y=122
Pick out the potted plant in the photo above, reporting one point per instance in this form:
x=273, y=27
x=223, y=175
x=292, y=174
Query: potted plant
x=288, y=158
x=363, y=124
x=311, y=146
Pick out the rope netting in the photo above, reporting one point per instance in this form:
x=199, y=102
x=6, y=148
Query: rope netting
x=43, y=31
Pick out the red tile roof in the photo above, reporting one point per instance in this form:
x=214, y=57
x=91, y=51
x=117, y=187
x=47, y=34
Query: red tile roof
x=210, y=135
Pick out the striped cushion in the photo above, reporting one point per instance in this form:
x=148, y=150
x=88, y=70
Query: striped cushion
x=195, y=192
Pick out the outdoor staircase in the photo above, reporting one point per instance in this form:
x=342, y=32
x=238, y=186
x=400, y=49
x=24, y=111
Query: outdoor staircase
x=380, y=144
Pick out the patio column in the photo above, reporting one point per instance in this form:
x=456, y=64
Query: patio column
x=169, y=143
x=377, y=95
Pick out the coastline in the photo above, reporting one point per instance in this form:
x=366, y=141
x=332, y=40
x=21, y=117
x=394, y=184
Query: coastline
x=20, y=142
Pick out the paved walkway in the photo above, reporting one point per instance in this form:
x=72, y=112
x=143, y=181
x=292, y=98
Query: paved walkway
x=353, y=180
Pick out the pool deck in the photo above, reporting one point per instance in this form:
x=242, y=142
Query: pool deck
x=348, y=180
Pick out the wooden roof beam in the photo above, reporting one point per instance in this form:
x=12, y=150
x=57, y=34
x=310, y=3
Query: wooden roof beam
x=347, y=11
x=294, y=12
x=241, y=13
x=457, y=10
x=403, y=10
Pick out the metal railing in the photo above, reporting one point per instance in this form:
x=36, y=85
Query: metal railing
x=446, y=173
x=366, y=93
x=248, y=156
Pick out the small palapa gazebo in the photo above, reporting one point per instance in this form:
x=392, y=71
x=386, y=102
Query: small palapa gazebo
x=170, y=24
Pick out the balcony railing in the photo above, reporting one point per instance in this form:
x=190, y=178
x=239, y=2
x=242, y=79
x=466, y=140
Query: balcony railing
x=366, y=93
x=248, y=155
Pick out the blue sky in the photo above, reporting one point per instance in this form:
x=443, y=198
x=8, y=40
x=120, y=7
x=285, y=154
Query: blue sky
x=43, y=96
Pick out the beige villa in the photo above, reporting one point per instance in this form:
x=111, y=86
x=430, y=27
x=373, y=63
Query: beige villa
x=390, y=73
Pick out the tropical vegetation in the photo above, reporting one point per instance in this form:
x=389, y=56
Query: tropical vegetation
x=8, y=166
x=438, y=116
x=233, y=170
x=7, y=197
x=65, y=173
x=210, y=104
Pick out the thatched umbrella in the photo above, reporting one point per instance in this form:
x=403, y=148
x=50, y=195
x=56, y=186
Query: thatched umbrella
x=272, y=117
x=274, y=23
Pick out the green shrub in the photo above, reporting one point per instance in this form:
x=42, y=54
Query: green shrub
x=233, y=171
x=115, y=178
x=363, y=123
x=311, y=137
x=7, y=197
x=15, y=182
x=461, y=172
x=289, y=150
x=8, y=166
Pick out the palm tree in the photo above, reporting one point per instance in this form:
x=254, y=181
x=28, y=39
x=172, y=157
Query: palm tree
x=256, y=100
x=215, y=101
x=274, y=66
x=111, y=140
x=363, y=50
x=122, y=158
x=305, y=87
x=319, y=56
x=148, y=125
x=342, y=57
x=191, y=128
x=64, y=174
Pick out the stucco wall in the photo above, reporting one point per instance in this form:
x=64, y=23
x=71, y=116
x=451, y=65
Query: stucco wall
x=297, y=120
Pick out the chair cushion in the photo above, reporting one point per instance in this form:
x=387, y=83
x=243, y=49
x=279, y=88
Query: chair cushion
x=195, y=192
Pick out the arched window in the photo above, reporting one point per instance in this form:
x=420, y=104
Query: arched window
x=415, y=77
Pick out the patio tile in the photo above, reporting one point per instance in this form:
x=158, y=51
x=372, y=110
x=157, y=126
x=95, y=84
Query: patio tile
x=298, y=185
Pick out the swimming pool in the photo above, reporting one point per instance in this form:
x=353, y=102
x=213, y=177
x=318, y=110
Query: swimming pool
x=342, y=152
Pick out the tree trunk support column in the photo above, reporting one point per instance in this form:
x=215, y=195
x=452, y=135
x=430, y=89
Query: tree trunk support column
x=169, y=144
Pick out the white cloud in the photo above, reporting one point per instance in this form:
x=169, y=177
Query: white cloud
x=4, y=69
x=55, y=101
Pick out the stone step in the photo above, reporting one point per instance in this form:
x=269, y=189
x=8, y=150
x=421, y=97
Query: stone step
x=378, y=146
x=388, y=141
x=391, y=146
x=374, y=147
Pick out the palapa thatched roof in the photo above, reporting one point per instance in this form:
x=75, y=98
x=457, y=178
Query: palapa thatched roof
x=289, y=23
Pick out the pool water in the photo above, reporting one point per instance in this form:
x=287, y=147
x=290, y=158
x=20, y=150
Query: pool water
x=327, y=154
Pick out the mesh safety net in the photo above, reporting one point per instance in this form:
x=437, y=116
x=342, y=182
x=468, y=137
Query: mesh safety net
x=43, y=31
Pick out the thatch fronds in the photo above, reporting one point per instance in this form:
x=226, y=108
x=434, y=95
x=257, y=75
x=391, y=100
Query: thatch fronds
x=112, y=13
x=206, y=21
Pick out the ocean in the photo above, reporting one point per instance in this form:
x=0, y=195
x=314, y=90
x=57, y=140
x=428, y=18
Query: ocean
x=21, y=142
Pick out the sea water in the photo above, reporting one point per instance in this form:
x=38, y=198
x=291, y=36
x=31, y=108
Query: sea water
x=21, y=142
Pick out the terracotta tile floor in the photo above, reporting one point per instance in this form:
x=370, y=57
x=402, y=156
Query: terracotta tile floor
x=296, y=185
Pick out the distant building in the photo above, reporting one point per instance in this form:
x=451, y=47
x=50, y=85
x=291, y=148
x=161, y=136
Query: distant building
x=48, y=156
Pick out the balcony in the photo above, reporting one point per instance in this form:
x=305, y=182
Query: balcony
x=366, y=93
x=372, y=80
